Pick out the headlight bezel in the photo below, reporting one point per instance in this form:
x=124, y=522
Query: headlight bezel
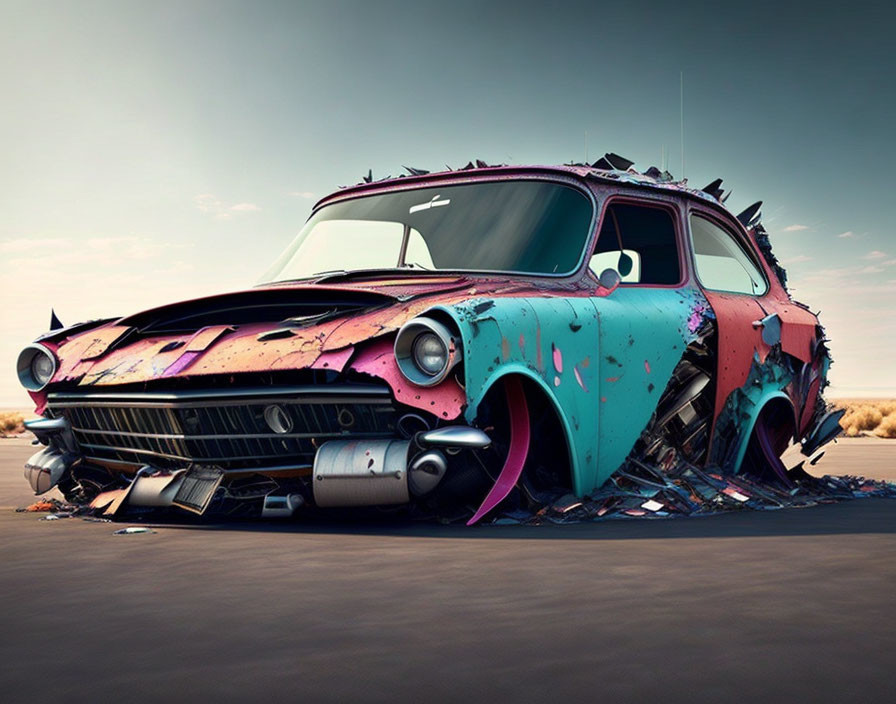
x=406, y=344
x=25, y=366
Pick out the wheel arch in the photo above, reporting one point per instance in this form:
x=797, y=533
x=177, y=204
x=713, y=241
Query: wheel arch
x=769, y=401
x=536, y=389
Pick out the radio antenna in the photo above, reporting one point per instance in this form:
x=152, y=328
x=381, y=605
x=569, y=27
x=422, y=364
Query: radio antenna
x=681, y=104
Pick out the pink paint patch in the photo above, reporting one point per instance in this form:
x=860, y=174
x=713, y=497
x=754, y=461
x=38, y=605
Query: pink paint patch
x=612, y=379
x=575, y=370
x=696, y=317
x=516, y=456
x=522, y=345
x=445, y=400
x=603, y=399
x=556, y=381
x=334, y=360
x=181, y=363
x=647, y=366
x=558, y=358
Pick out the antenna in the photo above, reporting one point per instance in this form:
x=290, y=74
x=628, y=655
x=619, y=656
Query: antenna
x=681, y=77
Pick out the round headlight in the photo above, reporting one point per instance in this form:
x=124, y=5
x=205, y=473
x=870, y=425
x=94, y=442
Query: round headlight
x=36, y=366
x=430, y=353
x=42, y=368
x=426, y=350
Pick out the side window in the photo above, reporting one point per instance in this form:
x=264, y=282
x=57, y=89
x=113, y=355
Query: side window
x=639, y=242
x=721, y=262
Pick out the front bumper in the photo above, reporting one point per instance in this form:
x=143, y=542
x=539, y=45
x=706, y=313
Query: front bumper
x=352, y=446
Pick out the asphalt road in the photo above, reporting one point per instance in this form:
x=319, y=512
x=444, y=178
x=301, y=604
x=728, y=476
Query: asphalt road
x=795, y=605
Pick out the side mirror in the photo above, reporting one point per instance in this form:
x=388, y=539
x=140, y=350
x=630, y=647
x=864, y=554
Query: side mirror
x=609, y=279
x=624, y=267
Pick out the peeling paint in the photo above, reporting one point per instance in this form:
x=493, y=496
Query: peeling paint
x=447, y=400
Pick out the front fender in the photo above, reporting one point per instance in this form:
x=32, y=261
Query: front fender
x=549, y=340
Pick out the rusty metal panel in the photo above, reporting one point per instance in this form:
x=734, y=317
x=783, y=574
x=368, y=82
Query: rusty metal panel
x=738, y=340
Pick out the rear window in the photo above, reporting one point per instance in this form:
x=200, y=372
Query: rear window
x=721, y=262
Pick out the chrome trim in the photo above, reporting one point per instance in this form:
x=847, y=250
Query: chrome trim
x=221, y=427
x=404, y=350
x=311, y=394
x=426, y=471
x=390, y=474
x=188, y=460
x=47, y=426
x=455, y=436
x=23, y=366
x=228, y=436
x=56, y=432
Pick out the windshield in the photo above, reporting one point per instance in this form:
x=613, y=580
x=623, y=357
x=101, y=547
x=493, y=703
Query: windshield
x=533, y=227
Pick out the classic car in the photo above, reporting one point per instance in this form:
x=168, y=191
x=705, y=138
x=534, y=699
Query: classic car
x=453, y=343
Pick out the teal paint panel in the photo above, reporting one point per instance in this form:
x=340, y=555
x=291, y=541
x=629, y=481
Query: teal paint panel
x=603, y=362
x=643, y=335
x=551, y=340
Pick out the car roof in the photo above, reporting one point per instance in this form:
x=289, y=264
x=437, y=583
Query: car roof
x=610, y=169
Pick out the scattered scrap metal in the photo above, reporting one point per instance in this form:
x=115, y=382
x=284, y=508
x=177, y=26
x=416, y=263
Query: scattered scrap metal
x=639, y=491
x=642, y=492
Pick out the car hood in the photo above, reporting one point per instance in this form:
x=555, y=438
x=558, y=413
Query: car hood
x=267, y=329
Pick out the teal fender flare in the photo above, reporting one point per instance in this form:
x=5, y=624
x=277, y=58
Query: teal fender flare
x=767, y=382
x=765, y=397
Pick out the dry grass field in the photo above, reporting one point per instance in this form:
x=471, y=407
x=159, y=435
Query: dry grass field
x=11, y=423
x=868, y=417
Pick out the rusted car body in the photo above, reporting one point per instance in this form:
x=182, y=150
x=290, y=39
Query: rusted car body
x=567, y=322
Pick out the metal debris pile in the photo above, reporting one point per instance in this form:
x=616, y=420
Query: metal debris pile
x=640, y=491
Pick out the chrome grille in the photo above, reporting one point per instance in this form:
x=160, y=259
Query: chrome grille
x=226, y=428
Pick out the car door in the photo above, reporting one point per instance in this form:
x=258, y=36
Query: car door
x=733, y=281
x=640, y=323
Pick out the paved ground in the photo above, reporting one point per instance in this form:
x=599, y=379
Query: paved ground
x=795, y=605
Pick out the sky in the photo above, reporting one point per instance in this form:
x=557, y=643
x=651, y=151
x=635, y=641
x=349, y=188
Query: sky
x=154, y=151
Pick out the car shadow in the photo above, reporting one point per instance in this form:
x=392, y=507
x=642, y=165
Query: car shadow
x=860, y=516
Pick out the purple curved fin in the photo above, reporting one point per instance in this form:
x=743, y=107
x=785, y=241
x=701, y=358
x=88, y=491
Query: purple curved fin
x=768, y=450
